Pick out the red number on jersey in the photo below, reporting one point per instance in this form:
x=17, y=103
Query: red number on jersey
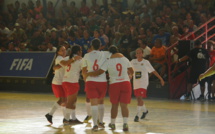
x=95, y=66
x=119, y=68
x=68, y=68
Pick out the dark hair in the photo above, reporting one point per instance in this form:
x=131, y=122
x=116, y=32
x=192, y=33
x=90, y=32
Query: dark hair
x=58, y=49
x=72, y=33
x=74, y=50
x=113, y=49
x=97, y=31
x=197, y=43
x=96, y=43
x=56, y=54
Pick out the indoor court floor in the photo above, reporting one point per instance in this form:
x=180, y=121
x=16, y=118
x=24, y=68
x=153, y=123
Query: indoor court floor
x=23, y=113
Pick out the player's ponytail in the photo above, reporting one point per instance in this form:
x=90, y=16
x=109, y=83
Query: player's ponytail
x=75, y=49
x=58, y=49
x=113, y=49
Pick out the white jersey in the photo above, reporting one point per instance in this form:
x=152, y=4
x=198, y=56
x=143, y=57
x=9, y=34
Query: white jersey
x=59, y=73
x=117, y=69
x=72, y=72
x=141, y=70
x=93, y=61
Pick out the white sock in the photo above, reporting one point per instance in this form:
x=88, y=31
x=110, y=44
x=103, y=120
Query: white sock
x=139, y=110
x=67, y=113
x=63, y=110
x=73, y=114
x=94, y=114
x=144, y=108
x=125, y=120
x=54, y=108
x=113, y=121
x=88, y=105
x=101, y=109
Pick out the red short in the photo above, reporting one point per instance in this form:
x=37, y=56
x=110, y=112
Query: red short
x=140, y=92
x=95, y=89
x=70, y=88
x=58, y=91
x=120, y=92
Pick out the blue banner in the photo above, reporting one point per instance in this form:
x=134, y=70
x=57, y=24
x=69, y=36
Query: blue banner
x=26, y=64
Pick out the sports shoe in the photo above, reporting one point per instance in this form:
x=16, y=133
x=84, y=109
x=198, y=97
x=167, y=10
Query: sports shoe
x=125, y=127
x=187, y=97
x=112, y=126
x=136, y=119
x=49, y=118
x=95, y=128
x=86, y=120
x=100, y=122
x=209, y=97
x=67, y=122
x=76, y=121
x=101, y=125
x=201, y=98
x=144, y=114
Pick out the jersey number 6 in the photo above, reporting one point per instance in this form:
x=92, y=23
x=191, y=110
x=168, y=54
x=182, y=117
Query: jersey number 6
x=95, y=66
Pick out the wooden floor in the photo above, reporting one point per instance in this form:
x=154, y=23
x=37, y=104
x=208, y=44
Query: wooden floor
x=22, y=113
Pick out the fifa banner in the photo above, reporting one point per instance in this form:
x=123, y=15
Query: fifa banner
x=26, y=64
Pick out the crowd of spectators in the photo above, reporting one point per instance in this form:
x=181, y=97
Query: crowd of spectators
x=151, y=24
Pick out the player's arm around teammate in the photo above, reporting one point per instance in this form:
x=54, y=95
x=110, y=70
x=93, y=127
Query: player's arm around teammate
x=57, y=83
x=120, y=87
x=71, y=84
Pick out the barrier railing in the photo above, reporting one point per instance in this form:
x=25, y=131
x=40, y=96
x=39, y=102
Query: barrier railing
x=176, y=89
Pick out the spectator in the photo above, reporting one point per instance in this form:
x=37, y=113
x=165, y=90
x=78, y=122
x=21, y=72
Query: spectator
x=96, y=34
x=149, y=37
x=164, y=36
x=11, y=47
x=72, y=39
x=84, y=10
x=37, y=40
x=38, y=9
x=54, y=37
x=157, y=57
x=17, y=7
x=159, y=22
x=95, y=7
x=21, y=21
x=85, y=42
x=137, y=5
x=146, y=50
x=169, y=24
x=104, y=36
x=126, y=42
x=4, y=30
x=29, y=19
x=24, y=10
x=50, y=11
x=175, y=35
x=19, y=34
x=104, y=7
x=51, y=48
x=64, y=10
x=186, y=32
x=23, y=47
x=30, y=7
x=117, y=39
x=68, y=48
x=74, y=12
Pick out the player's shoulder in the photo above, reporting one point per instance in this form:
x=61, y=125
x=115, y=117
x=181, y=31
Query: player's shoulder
x=59, y=57
x=133, y=60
